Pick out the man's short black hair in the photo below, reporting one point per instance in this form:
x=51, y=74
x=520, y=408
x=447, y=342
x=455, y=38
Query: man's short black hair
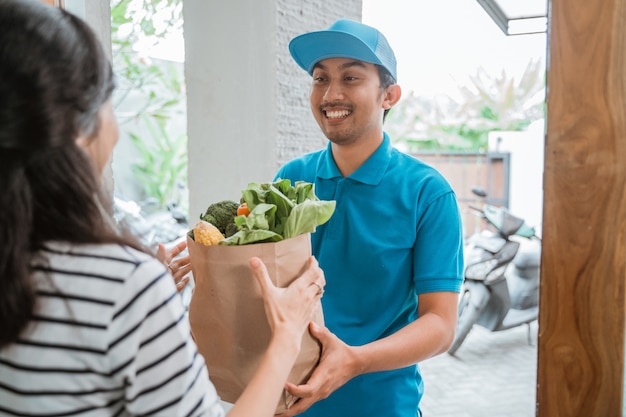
x=386, y=80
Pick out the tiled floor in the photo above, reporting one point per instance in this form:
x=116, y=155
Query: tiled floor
x=492, y=375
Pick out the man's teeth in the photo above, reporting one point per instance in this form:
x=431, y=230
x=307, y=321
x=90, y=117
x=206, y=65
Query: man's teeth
x=337, y=114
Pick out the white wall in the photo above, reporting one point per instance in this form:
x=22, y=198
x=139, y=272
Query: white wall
x=298, y=132
x=230, y=74
x=526, y=171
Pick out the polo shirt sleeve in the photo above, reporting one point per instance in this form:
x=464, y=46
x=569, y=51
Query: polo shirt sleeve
x=438, y=250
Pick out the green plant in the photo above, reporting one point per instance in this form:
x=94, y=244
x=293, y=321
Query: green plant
x=490, y=104
x=149, y=95
x=162, y=167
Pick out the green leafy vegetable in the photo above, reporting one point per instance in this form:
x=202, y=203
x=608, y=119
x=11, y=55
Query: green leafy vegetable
x=279, y=211
x=221, y=215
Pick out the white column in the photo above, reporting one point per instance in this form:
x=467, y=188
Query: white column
x=231, y=97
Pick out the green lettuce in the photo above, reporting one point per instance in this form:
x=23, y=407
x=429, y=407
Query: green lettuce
x=279, y=211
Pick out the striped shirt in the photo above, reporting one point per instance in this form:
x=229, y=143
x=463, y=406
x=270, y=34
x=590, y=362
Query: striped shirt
x=109, y=337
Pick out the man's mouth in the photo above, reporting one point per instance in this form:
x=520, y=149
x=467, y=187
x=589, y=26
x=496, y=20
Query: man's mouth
x=337, y=114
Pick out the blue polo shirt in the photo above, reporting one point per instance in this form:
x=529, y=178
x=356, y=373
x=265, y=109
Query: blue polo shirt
x=396, y=233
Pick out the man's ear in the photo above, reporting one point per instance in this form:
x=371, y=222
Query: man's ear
x=392, y=96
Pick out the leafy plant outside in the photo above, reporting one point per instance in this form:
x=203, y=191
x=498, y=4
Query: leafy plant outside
x=156, y=90
x=490, y=104
x=163, y=164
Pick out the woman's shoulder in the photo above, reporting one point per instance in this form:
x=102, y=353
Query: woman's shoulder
x=115, y=274
x=112, y=253
x=110, y=262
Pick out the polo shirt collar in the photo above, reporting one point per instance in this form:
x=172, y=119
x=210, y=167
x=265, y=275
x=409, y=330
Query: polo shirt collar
x=372, y=170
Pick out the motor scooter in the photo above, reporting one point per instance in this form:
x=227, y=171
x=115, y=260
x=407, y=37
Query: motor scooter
x=160, y=226
x=502, y=263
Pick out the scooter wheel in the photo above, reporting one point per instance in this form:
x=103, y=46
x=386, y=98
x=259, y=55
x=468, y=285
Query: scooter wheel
x=468, y=315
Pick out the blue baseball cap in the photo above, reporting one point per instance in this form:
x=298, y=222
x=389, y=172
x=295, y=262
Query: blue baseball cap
x=343, y=39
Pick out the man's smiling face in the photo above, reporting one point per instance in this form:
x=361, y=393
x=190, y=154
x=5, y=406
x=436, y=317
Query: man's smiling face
x=347, y=100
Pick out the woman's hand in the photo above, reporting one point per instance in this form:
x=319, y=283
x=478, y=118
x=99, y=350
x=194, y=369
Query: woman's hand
x=179, y=267
x=289, y=310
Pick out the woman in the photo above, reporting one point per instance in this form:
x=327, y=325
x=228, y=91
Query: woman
x=92, y=325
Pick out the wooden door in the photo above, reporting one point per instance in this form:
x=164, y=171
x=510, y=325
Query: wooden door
x=583, y=273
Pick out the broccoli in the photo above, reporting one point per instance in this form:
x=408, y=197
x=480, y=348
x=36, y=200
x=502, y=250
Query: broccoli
x=221, y=214
x=231, y=229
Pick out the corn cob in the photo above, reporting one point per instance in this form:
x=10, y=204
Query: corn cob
x=206, y=233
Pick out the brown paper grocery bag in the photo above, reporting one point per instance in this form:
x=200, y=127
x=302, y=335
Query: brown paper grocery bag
x=227, y=315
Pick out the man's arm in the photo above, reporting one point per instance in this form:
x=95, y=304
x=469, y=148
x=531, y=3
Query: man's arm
x=429, y=335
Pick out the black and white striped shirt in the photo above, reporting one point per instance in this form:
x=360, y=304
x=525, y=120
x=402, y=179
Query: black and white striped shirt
x=109, y=337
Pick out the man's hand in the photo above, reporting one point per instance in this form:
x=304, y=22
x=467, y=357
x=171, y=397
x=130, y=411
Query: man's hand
x=178, y=267
x=426, y=337
x=338, y=364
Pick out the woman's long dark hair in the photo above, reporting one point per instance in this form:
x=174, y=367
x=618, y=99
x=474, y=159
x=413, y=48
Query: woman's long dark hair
x=54, y=79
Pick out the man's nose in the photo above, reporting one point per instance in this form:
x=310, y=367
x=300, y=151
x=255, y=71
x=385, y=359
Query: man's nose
x=334, y=91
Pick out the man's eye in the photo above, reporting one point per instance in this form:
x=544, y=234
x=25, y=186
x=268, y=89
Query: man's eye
x=319, y=79
x=350, y=78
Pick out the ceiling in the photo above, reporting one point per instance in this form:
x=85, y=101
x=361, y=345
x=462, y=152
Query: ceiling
x=518, y=17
